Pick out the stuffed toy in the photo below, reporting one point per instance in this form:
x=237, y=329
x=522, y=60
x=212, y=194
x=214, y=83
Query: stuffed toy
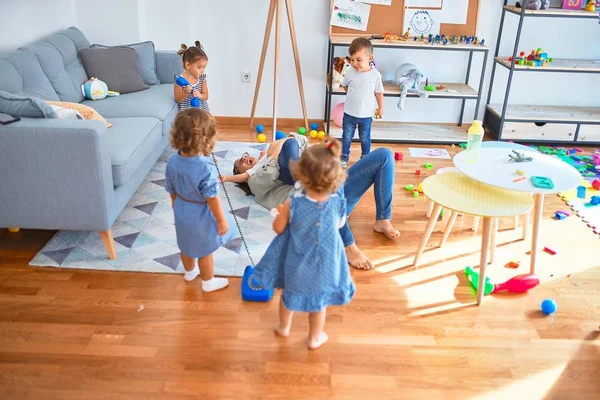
x=408, y=77
x=536, y=4
x=340, y=66
x=94, y=89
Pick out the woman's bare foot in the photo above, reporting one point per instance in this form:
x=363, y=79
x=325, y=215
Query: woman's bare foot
x=385, y=226
x=319, y=341
x=356, y=258
x=282, y=331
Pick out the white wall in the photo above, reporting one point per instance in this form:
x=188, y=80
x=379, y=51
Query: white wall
x=232, y=34
x=24, y=21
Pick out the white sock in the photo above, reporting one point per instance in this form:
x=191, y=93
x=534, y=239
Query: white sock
x=191, y=275
x=214, y=284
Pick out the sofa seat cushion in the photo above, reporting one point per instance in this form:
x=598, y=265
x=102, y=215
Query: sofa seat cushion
x=156, y=102
x=131, y=141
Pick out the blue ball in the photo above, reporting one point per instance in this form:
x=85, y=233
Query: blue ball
x=314, y=126
x=279, y=135
x=260, y=128
x=548, y=306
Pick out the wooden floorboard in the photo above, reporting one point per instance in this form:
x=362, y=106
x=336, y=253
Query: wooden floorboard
x=79, y=334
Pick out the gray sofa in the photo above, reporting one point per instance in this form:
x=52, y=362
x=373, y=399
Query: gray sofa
x=77, y=174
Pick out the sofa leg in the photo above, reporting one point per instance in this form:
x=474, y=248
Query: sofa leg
x=109, y=243
x=14, y=230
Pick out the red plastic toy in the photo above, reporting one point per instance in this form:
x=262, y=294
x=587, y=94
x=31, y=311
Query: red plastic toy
x=518, y=284
x=596, y=184
x=398, y=156
x=418, y=172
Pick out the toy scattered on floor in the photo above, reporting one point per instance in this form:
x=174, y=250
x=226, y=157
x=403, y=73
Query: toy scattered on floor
x=418, y=172
x=313, y=134
x=581, y=192
x=596, y=184
x=519, y=157
x=261, y=138
x=321, y=134
x=314, y=126
x=260, y=128
x=513, y=264
x=462, y=145
x=428, y=166
x=559, y=215
x=542, y=182
x=302, y=131
x=595, y=200
x=182, y=82
x=516, y=284
x=279, y=135
x=549, y=251
x=548, y=306
x=415, y=194
x=94, y=89
x=409, y=187
x=337, y=114
x=398, y=156
x=14, y=230
x=252, y=291
x=420, y=188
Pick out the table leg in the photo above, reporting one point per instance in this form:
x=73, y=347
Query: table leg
x=448, y=229
x=538, y=209
x=485, y=245
x=526, y=224
x=493, y=239
x=430, y=225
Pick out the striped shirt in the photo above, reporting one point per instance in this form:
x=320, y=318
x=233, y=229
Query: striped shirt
x=185, y=103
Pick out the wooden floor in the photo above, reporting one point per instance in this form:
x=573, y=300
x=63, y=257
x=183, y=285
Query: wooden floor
x=407, y=334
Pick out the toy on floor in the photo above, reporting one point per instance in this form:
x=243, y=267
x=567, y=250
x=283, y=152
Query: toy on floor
x=279, y=135
x=252, y=291
x=516, y=284
x=321, y=135
x=260, y=128
x=314, y=126
x=261, y=138
x=302, y=131
x=398, y=156
x=548, y=306
x=182, y=82
x=313, y=134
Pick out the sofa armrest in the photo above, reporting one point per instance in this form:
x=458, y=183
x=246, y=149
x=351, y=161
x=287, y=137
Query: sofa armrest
x=56, y=174
x=168, y=63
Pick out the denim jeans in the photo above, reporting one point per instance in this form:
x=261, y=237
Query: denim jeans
x=349, y=124
x=289, y=151
x=376, y=168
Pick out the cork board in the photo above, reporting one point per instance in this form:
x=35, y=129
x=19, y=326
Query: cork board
x=391, y=19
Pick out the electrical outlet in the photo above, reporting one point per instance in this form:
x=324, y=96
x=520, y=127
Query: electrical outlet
x=246, y=77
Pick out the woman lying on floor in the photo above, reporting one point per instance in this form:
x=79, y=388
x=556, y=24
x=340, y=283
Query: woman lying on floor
x=270, y=180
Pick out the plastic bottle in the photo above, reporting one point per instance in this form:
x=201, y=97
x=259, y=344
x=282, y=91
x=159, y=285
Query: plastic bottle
x=474, y=141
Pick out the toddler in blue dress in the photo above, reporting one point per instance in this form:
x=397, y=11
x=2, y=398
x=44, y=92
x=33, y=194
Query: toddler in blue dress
x=191, y=179
x=307, y=258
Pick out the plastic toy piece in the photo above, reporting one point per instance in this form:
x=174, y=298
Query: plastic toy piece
x=428, y=166
x=182, y=82
x=251, y=290
x=519, y=157
x=566, y=214
x=416, y=193
x=473, y=277
x=398, y=156
x=514, y=264
x=548, y=306
x=261, y=138
x=549, y=251
x=595, y=200
x=596, y=184
x=559, y=216
x=260, y=128
x=314, y=126
x=418, y=172
x=520, y=172
x=279, y=135
x=518, y=284
x=420, y=188
x=409, y=187
x=521, y=178
x=542, y=182
x=302, y=131
x=581, y=192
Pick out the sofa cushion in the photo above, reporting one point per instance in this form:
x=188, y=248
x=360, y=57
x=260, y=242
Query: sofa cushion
x=21, y=74
x=25, y=107
x=146, y=60
x=117, y=67
x=57, y=54
x=131, y=141
x=157, y=102
x=77, y=37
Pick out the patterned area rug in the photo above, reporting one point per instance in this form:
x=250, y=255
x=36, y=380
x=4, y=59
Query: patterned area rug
x=144, y=233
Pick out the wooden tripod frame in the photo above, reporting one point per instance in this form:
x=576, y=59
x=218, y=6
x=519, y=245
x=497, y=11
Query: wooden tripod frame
x=275, y=13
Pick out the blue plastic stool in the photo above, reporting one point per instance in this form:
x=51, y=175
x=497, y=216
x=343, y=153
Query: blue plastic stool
x=252, y=291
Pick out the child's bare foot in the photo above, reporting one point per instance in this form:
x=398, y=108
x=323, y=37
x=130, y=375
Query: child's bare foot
x=282, y=331
x=385, y=226
x=317, y=342
x=356, y=258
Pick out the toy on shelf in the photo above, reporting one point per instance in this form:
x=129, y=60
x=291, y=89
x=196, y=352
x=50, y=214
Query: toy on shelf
x=408, y=78
x=590, y=6
x=428, y=87
x=572, y=4
x=516, y=284
x=182, y=82
x=340, y=66
x=536, y=4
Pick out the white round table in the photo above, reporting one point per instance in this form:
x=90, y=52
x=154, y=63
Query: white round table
x=495, y=168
